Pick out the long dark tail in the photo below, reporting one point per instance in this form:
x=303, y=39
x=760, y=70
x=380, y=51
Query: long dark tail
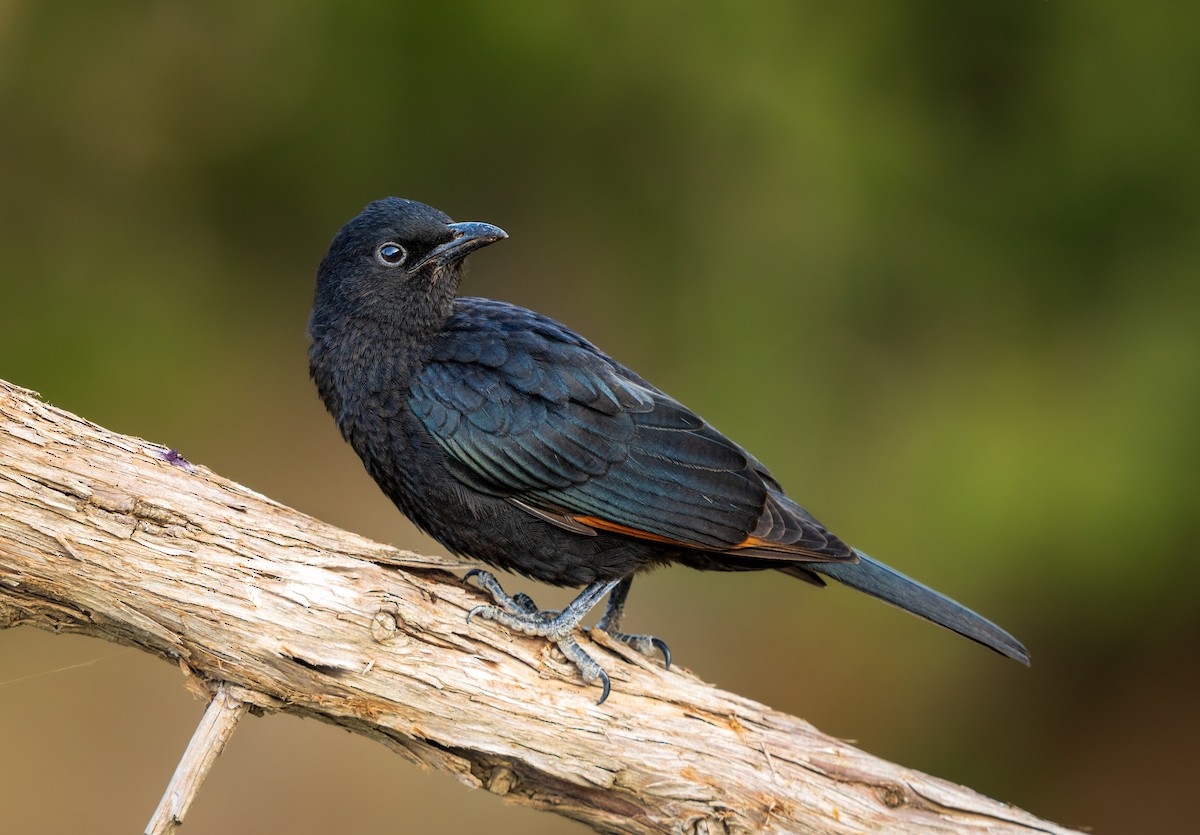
x=889, y=585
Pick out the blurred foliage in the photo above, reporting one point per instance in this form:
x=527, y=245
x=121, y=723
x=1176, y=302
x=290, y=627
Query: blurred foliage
x=936, y=263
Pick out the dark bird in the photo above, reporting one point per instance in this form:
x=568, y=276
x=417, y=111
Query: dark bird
x=513, y=440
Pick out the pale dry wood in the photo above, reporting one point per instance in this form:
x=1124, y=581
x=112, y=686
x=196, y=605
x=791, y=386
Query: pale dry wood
x=217, y=725
x=112, y=536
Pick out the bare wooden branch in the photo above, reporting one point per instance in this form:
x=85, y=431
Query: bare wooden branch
x=217, y=725
x=113, y=536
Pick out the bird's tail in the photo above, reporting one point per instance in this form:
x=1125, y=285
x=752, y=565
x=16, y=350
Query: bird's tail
x=877, y=580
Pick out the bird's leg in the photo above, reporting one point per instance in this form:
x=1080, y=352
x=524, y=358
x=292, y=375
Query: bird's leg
x=645, y=644
x=519, y=614
x=616, y=606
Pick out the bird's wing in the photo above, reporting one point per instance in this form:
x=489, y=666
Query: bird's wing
x=540, y=417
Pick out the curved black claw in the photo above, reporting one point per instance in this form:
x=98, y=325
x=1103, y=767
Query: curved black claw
x=645, y=644
x=607, y=685
x=661, y=646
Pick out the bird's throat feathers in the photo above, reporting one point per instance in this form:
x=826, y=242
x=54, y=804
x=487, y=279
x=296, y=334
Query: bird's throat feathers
x=369, y=335
x=412, y=307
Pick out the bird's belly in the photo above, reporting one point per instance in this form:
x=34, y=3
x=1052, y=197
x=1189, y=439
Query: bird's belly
x=492, y=530
x=500, y=534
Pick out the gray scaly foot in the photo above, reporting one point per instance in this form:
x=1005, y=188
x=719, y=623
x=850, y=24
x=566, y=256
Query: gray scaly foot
x=647, y=645
x=520, y=614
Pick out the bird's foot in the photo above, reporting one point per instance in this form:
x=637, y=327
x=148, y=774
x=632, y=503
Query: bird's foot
x=520, y=614
x=647, y=645
x=518, y=604
x=589, y=669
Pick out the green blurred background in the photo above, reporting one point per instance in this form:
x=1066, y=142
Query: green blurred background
x=934, y=262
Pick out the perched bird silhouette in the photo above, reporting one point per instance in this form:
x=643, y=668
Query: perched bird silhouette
x=515, y=441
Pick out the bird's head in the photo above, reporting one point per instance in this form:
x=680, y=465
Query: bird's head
x=398, y=261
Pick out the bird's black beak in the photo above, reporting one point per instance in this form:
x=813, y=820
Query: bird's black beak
x=468, y=237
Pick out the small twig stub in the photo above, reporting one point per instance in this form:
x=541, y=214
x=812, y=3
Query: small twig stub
x=216, y=727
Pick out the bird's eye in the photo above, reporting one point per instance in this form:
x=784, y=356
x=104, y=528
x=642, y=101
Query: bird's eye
x=391, y=254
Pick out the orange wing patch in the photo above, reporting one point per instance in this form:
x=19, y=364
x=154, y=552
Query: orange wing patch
x=753, y=546
x=758, y=547
x=613, y=527
x=756, y=542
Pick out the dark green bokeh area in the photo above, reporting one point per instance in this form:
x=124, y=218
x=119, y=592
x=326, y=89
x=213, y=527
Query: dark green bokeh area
x=935, y=263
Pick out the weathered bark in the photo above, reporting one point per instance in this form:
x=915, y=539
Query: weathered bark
x=112, y=536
